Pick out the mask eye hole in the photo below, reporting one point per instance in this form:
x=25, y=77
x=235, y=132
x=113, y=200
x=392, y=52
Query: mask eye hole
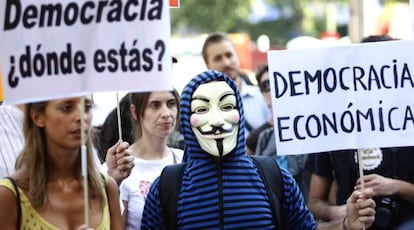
x=227, y=107
x=201, y=110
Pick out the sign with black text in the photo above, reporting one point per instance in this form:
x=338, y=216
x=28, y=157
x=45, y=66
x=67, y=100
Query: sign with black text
x=348, y=97
x=66, y=48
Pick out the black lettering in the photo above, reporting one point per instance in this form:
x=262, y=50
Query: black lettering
x=71, y=13
x=99, y=58
x=390, y=119
x=25, y=64
x=326, y=75
x=313, y=78
x=317, y=124
x=52, y=63
x=294, y=83
x=357, y=78
x=127, y=11
x=39, y=64
x=29, y=13
x=114, y=15
x=373, y=78
x=135, y=62
x=9, y=22
x=368, y=116
x=13, y=80
x=408, y=117
x=101, y=5
x=383, y=76
x=279, y=93
x=112, y=53
x=146, y=57
x=295, y=127
x=341, y=78
x=332, y=123
x=281, y=128
x=84, y=19
x=65, y=60
x=122, y=54
x=406, y=76
x=155, y=13
x=79, y=61
x=143, y=9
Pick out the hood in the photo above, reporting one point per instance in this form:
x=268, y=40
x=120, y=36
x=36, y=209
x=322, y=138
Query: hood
x=193, y=150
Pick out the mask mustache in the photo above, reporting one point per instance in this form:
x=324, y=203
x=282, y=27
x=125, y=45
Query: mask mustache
x=215, y=129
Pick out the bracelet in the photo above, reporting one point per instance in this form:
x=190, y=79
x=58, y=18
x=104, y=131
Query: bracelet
x=344, y=224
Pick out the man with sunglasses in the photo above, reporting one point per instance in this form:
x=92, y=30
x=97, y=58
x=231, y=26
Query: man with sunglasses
x=262, y=78
x=261, y=141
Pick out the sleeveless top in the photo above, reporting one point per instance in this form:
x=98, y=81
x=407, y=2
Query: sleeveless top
x=32, y=220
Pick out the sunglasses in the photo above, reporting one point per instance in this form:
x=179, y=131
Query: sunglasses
x=265, y=86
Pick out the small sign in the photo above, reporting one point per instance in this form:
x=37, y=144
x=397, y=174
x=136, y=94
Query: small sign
x=174, y=3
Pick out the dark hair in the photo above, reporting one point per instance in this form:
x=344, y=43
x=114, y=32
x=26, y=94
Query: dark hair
x=213, y=39
x=264, y=69
x=109, y=134
x=377, y=38
x=140, y=100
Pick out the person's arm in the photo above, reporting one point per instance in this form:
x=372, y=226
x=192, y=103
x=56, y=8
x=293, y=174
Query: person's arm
x=114, y=209
x=360, y=212
x=383, y=186
x=153, y=217
x=125, y=215
x=119, y=161
x=320, y=187
x=8, y=209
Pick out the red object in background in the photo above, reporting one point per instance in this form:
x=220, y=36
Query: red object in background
x=260, y=59
x=175, y=3
x=330, y=35
x=243, y=46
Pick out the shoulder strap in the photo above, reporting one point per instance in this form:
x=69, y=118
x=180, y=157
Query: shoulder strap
x=270, y=172
x=106, y=187
x=170, y=183
x=19, y=208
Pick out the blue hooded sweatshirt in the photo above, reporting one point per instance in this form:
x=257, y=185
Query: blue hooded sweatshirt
x=226, y=193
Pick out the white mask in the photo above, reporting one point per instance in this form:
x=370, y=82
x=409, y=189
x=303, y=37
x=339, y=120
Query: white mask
x=215, y=117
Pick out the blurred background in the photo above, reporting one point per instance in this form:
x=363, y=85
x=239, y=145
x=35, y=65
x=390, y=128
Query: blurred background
x=256, y=26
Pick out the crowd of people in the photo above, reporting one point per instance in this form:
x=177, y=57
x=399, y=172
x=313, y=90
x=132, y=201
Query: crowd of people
x=210, y=135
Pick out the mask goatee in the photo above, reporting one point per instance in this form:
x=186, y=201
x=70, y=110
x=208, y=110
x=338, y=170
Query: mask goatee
x=220, y=147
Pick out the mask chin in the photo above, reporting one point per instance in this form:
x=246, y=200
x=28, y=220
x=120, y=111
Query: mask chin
x=217, y=147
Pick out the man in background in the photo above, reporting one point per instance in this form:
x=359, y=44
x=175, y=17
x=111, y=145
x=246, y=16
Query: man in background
x=219, y=54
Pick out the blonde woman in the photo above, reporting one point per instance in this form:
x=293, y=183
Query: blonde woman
x=46, y=191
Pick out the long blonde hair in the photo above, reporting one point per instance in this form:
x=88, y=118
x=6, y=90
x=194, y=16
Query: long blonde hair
x=33, y=158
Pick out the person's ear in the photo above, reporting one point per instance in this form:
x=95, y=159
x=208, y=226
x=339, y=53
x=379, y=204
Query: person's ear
x=38, y=118
x=132, y=109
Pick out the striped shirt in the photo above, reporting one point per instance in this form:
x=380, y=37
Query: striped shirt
x=11, y=137
x=227, y=194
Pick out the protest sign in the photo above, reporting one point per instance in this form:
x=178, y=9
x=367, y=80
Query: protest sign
x=66, y=48
x=347, y=97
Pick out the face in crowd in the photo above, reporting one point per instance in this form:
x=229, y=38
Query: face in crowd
x=264, y=85
x=61, y=120
x=222, y=56
x=215, y=117
x=155, y=113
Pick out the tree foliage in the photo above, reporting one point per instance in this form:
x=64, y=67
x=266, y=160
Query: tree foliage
x=204, y=16
x=232, y=16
